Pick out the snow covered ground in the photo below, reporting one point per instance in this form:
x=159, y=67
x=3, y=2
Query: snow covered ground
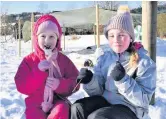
x=12, y=102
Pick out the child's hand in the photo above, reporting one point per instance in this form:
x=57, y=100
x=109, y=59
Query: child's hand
x=85, y=76
x=52, y=83
x=44, y=65
x=46, y=106
x=53, y=56
x=118, y=72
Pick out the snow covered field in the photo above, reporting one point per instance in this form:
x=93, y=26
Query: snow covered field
x=12, y=102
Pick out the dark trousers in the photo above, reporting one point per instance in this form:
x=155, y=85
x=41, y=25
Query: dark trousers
x=97, y=107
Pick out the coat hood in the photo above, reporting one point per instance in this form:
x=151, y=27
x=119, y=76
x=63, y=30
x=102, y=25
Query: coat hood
x=39, y=52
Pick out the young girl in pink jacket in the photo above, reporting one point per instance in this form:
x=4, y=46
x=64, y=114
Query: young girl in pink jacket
x=46, y=76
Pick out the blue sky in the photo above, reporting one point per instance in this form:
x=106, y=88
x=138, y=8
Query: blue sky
x=15, y=7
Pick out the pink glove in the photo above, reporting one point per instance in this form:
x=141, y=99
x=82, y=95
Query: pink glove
x=53, y=56
x=44, y=65
x=46, y=106
x=52, y=83
x=48, y=99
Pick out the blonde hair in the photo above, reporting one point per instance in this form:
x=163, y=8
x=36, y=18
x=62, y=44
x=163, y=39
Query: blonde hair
x=134, y=56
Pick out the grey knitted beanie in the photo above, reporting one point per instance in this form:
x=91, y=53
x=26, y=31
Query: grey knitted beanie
x=122, y=21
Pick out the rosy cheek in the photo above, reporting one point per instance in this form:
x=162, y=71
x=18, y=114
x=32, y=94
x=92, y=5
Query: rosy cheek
x=53, y=42
x=41, y=43
x=110, y=42
x=126, y=44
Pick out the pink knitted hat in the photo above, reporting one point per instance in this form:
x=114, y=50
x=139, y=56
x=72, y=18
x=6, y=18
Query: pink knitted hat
x=48, y=25
x=122, y=21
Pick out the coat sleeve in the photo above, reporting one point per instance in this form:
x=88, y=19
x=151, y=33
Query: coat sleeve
x=68, y=82
x=96, y=85
x=29, y=79
x=139, y=90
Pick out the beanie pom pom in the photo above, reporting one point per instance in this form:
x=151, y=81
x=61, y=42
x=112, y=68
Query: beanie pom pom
x=123, y=9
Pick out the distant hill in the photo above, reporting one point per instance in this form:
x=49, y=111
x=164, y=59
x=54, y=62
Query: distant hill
x=86, y=17
x=24, y=16
x=27, y=15
x=160, y=9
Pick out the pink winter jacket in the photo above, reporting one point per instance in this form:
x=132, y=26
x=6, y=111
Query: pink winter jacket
x=31, y=81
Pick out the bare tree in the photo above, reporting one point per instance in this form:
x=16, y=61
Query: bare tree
x=161, y=7
x=161, y=3
x=109, y=5
x=42, y=8
x=6, y=26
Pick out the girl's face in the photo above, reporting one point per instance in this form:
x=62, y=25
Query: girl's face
x=47, y=39
x=118, y=40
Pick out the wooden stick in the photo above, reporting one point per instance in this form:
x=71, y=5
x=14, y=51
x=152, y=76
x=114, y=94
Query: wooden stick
x=76, y=85
x=97, y=26
x=32, y=22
